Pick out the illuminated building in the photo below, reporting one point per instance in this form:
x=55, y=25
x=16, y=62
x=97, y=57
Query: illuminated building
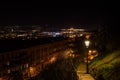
x=30, y=61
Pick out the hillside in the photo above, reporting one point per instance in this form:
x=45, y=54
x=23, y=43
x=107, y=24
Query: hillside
x=108, y=66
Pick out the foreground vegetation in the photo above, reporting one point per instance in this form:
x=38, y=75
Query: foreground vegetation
x=61, y=70
x=107, y=66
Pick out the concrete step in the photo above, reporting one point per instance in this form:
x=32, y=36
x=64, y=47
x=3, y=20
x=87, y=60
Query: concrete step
x=85, y=77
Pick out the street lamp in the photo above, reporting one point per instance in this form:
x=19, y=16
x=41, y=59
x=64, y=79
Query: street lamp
x=87, y=43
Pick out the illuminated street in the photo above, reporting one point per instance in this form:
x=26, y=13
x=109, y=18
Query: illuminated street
x=61, y=68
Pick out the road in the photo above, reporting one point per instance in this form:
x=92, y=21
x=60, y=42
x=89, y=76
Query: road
x=60, y=68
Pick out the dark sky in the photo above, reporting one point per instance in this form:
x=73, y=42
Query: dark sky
x=30, y=15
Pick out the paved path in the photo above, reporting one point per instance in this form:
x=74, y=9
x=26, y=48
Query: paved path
x=81, y=72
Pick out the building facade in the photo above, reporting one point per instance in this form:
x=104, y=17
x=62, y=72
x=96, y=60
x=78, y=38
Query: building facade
x=32, y=60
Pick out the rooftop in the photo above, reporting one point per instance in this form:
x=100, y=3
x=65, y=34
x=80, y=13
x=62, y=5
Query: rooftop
x=18, y=43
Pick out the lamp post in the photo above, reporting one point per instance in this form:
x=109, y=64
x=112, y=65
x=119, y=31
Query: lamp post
x=87, y=43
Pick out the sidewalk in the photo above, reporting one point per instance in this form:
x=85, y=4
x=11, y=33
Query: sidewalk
x=81, y=72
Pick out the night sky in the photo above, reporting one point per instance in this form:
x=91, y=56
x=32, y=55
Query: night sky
x=35, y=15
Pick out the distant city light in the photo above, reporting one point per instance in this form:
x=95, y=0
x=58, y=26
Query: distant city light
x=55, y=34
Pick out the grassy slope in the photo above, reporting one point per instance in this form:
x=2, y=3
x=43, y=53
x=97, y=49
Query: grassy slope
x=108, y=66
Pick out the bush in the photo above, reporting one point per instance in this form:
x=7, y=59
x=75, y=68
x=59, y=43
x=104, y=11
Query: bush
x=108, y=66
